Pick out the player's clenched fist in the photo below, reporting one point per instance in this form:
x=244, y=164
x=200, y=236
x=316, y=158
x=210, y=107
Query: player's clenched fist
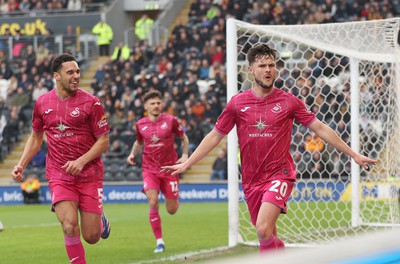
x=16, y=173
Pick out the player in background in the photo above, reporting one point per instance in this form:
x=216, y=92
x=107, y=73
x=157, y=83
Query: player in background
x=155, y=135
x=264, y=116
x=77, y=133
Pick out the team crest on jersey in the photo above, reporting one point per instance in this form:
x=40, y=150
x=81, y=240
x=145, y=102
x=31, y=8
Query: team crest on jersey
x=75, y=113
x=277, y=108
x=164, y=125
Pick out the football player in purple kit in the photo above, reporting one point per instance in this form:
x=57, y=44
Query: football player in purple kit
x=264, y=116
x=77, y=133
x=155, y=135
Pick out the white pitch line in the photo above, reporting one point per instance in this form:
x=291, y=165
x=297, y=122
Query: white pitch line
x=57, y=224
x=28, y=226
x=183, y=256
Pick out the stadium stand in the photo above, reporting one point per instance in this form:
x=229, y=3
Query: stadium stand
x=189, y=69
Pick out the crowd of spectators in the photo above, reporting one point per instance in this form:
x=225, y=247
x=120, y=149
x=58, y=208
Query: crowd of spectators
x=189, y=71
x=35, y=7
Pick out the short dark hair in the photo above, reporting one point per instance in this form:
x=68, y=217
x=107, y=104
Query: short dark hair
x=57, y=62
x=259, y=51
x=152, y=94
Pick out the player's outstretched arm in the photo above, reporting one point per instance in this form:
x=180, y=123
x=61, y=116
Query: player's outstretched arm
x=31, y=148
x=332, y=138
x=207, y=144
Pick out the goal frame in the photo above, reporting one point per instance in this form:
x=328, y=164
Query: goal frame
x=232, y=146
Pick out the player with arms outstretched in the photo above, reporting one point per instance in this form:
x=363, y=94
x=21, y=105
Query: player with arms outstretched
x=155, y=135
x=264, y=116
x=77, y=134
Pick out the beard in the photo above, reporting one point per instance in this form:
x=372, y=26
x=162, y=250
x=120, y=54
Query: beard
x=263, y=85
x=68, y=88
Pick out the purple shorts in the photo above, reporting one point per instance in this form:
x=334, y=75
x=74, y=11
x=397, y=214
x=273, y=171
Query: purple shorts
x=89, y=195
x=166, y=183
x=276, y=192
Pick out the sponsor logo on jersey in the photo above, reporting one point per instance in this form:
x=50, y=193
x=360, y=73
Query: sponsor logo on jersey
x=156, y=142
x=102, y=122
x=48, y=111
x=260, y=125
x=244, y=109
x=62, y=127
x=155, y=139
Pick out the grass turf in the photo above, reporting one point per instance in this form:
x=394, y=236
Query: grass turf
x=32, y=234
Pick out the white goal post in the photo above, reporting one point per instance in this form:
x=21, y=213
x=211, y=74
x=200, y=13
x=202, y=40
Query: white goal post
x=349, y=75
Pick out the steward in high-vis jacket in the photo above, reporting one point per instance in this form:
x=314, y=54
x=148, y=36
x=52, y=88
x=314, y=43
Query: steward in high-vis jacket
x=104, y=37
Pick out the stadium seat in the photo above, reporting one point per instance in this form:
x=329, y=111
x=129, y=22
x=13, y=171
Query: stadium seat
x=119, y=176
x=108, y=176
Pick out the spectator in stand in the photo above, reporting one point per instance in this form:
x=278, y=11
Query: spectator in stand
x=121, y=51
x=116, y=150
x=41, y=54
x=31, y=189
x=204, y=72
x=118, y=120
x=100, y=73
x=143, y=27
x=74, y=5
x=314, y=143
x=105, y=36
x=199, y=108
x=5, y=70
x=25, y=6
x=24, y=82
x=38, y=9
x=30, y=56
x=38, y=90
x=12, y=129
x=21, y=98
x=69, y=40
x=219, y=168
x=13, y=6
x=3, y=6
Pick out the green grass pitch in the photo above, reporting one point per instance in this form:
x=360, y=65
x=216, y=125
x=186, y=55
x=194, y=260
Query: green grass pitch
x=32, y=234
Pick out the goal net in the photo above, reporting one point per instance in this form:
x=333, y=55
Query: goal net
x=348, y=74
